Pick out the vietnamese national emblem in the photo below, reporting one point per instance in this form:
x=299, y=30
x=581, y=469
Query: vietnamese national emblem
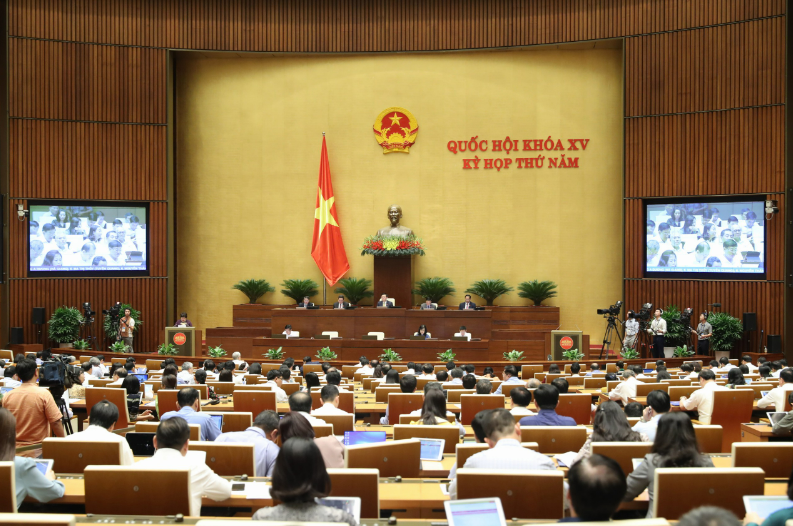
x=395, y=130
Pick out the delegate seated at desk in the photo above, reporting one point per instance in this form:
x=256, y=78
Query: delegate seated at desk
x=305, y=303
x=423, y=332
x=427, y=305
x=384, y=301
x=341, y=304
x=467, y=304
x=288, y=332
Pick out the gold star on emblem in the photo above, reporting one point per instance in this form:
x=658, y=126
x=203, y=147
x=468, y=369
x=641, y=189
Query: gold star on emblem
x=395, y=120
x=323, y=213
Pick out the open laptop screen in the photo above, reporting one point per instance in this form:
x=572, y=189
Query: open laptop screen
x=352, y=438
x=475, y=512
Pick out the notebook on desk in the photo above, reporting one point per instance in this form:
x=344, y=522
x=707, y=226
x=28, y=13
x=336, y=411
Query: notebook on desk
x=765, y=506
x=775, y=417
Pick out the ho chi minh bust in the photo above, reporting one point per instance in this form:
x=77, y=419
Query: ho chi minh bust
x=394, y=214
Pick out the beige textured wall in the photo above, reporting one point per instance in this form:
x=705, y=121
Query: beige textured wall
x=248, y=146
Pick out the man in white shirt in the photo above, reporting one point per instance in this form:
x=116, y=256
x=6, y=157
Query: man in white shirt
x=101, y=424
x=83, y=258
x=625, y=389
x=658, y=404
x=778, y=395
x=730, y=258
x=366, y=368
x=172, y=442
x=118, y=377
x=503, y=438
x=288, y=332
x=237, y=359
x=520, y=398
x=300, y=402
x=49, y=217
x=186, y=376
x=427, y=371
x=747, y=361
x=510, y=378
x=275, y=379
x=457, y=376
x=702, y=399
x=330, y=402
x=464, y=333
x=725, y=365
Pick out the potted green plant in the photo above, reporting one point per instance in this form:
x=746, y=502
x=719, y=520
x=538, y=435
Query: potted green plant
x=216, y=352
x=118, y=347
x=682, y=352
x=274, y=354
x=111, y=328
x=253, y=288
x=297, y=289
x=81, y=345
x=628, y=353
x=446, y=356
x=537, y=291
x=572, y=355
x=676, y=333
x=726, y=331
x=489, y=289
x=326, y=355
x=434, y=288
x=167, y=349
x=64, y=326
x=354, y=289
x=390, y=355
x=513, y=356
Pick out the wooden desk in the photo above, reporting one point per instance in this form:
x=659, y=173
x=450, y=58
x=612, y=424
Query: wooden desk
x=761, y=433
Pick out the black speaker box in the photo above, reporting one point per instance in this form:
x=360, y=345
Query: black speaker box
x=774, y=343
x=39, y=316
x=749, y=321
x=17, y=336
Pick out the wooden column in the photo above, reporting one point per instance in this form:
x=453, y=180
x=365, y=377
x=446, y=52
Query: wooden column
x=394, y=276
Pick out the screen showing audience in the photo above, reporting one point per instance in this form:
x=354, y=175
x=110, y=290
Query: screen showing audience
x=87, y=238
x=706, y=238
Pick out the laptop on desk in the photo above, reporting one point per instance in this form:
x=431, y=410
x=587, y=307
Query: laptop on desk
x=459, y=339
x=417, y=337
x=278, y=336
x=475, y=512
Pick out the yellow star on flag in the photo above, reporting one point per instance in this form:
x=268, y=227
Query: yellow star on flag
x=396, y=120
x=323, y=213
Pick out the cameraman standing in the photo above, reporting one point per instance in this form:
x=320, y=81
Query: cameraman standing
x=658, y=330
x=631, y=331
x=125, y=327
x=704, y=332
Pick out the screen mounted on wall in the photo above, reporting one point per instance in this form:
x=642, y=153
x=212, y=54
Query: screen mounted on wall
x=716, y=239
x=87, y=238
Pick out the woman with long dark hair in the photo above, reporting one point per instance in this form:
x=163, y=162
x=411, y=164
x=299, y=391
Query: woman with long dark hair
x=675, y=446
x=610, y=425
x=391, y=377
x=735, y=377
x=28, y=479
x=433, y=412
x=294, y=425
x=300, y=477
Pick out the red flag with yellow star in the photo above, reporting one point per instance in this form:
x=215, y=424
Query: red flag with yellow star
x=327, y=247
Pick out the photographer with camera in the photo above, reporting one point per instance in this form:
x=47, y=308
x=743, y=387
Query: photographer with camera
x=704, y=332
x=125, y=327
x=631, y=331
x=658, y=330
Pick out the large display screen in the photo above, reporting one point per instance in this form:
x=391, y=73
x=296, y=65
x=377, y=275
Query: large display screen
x=717, y=238
x=84, y=238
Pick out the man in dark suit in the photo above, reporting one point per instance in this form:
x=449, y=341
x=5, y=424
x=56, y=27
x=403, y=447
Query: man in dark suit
x=467, y=304
x=427, y=305
x=384, y=301
x=341, y=304
x=305, y=303
x=546, y=398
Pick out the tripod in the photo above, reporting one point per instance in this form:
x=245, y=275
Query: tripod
x=611, y=329
x=643, y=338
x=87, y=330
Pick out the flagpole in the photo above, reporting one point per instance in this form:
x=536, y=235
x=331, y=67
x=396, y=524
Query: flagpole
x=324, y=281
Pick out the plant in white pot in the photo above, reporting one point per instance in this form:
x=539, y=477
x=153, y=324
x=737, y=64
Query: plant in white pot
x=64, y=326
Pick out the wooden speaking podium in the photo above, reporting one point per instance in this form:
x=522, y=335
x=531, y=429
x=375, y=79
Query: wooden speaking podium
x=562, y=341
x=184, y=338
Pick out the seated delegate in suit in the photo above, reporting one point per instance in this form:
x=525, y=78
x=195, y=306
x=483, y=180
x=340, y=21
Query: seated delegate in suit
x=28, y=479
x=546, y=398
x=305, y=303
x=299, y=477
x=427, y=305
x=422, y=331
x=675, y=446
x=467, y=304
x=341, y=304
x=171, y=442
x=384, y=301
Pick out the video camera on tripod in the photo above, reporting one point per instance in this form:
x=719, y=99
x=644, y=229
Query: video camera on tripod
x=114, y=313
x=685, y=318
x=645, y=313
x=614, y=310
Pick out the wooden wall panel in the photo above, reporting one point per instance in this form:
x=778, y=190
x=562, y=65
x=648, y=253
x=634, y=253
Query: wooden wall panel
x=736, y=297
x=731, y=66
x=56, y=80
x=146, y=294
x=706, y=153
x=635, y=230
x=158, y=231
x=80, y=160
x=364, y=25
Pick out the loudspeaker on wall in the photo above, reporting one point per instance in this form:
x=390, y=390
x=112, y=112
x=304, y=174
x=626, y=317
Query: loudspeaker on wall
x=774, y=343
x=17, y=336
x=750, y=321
x=39, y=316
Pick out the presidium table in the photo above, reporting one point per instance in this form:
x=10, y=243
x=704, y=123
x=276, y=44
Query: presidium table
x=494, y=331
